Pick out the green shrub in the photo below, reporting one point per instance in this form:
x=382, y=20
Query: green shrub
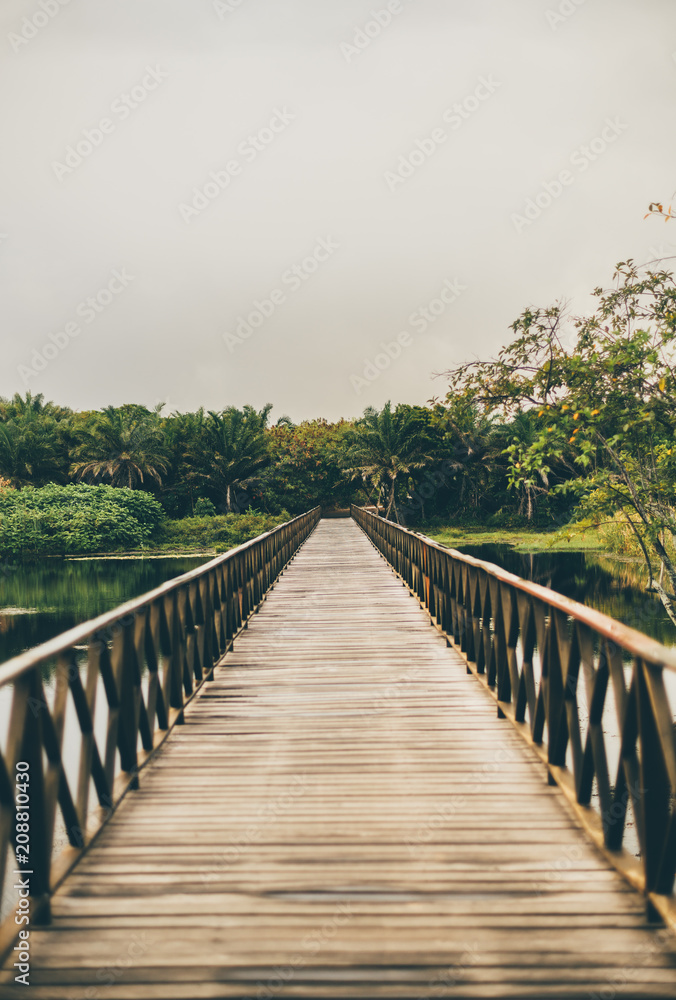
x=204, y=508
x=507, y=519
x=221, y=532
x=62, y=520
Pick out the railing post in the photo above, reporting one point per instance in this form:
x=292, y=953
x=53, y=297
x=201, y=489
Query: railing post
x=655, y=796
x=123, y=669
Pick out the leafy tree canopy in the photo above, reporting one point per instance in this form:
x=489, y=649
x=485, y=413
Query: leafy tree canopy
x=602, y=405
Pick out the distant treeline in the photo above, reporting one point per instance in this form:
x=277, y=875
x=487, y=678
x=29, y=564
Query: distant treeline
x=415, y=462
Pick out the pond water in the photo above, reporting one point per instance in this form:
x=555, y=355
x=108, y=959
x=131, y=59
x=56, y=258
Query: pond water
x=607, y=583
x=39, y=602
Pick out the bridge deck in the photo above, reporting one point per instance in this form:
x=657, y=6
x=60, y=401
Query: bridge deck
x=344, y=816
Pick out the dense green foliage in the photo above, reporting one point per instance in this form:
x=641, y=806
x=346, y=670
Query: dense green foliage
x=226, y=452
x=600, y=407
x=33, y=441
x=124, y=447
x=414, y=463
x=219, y=532
x=307, y=466
x=60, y=520
x=385, y=449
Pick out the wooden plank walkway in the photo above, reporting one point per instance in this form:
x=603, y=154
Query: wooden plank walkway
x=344, y=816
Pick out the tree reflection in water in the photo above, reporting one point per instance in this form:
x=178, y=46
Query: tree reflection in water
x=39, y=602
x=608, y=583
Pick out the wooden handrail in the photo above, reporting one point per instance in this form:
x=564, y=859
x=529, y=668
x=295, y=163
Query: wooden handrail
x=502, y=625
x=176, y=634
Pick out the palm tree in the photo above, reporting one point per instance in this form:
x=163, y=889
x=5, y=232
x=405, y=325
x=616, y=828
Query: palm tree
x=182, y=432
x=471, y=435
x=230, y=450
x=32, y=441
x=386, y=445
x=19, y=407
x=123, y=447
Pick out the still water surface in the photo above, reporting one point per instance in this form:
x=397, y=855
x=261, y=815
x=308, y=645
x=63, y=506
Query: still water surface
x=607, y=583
x=39, y=602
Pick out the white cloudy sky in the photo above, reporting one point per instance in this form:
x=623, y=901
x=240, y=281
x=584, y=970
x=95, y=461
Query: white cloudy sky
x=556, y=82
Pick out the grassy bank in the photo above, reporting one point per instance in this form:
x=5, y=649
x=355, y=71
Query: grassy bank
x=208, y=536
x=572, y=539
x=213, y=534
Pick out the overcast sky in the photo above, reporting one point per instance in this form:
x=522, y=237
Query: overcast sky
x=255, y=196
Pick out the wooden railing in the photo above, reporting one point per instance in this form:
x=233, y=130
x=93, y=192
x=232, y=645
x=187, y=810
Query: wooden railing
x=149, y=656
x=532, y=648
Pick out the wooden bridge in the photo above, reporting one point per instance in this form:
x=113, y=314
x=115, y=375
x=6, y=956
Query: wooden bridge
x=339, y=810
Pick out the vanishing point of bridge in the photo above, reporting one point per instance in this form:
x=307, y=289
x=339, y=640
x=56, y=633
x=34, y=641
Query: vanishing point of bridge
x=339, y=811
